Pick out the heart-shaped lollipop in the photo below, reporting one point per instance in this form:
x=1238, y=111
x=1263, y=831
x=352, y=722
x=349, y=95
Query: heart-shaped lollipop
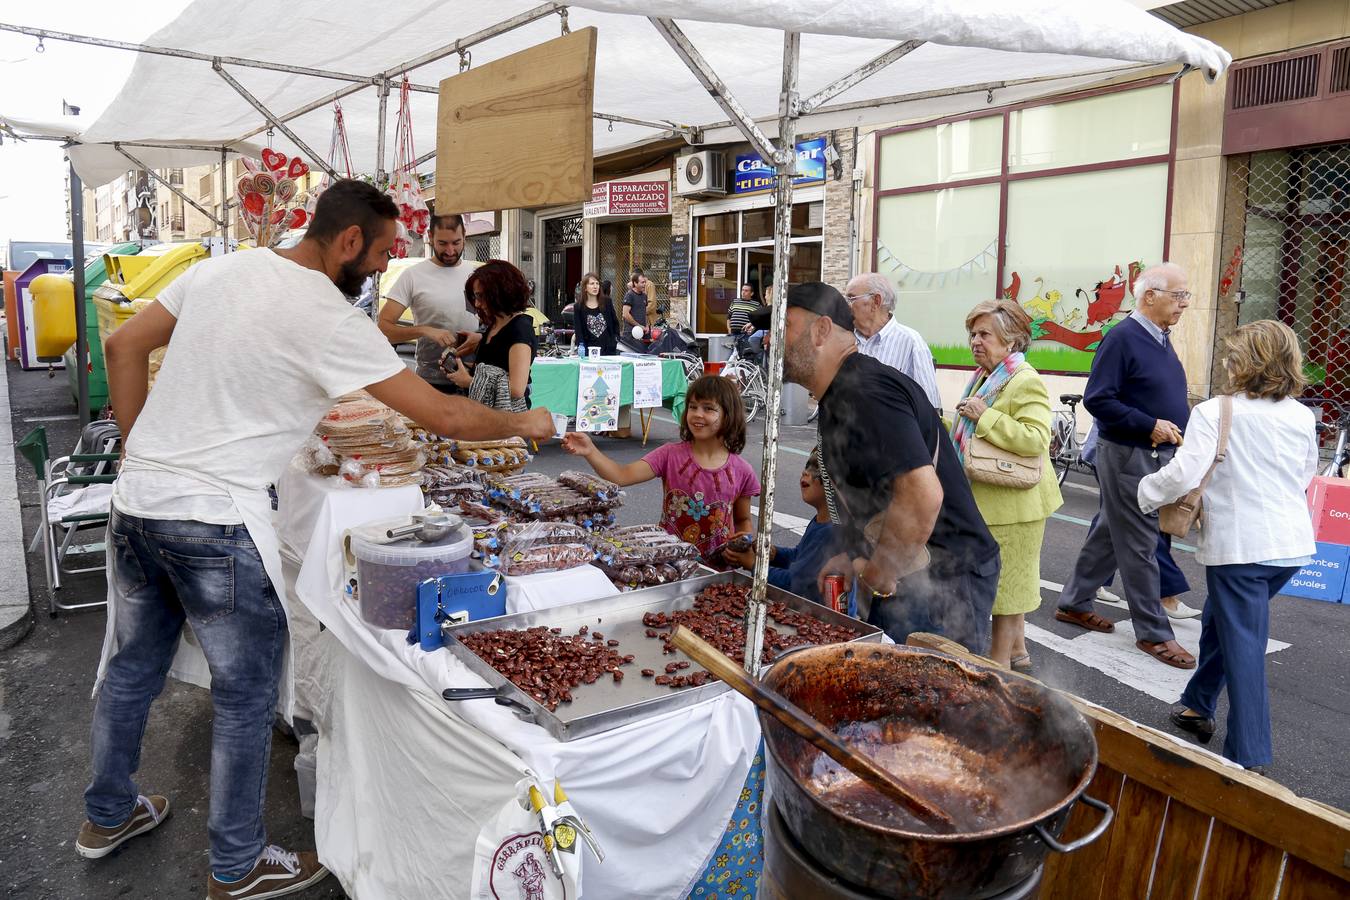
x=297, y=218
x=285, y=190
x=254, y=203
x=297, y=168
x=274, y=161
x=277, y=216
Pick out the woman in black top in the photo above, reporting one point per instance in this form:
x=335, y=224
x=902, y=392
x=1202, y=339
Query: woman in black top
x=594, y=319
x=499, y=294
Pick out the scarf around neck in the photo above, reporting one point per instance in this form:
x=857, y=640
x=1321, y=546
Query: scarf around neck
x=987, y=388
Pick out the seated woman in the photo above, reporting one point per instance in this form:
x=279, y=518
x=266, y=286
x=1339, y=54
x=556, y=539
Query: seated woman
x=500, y=378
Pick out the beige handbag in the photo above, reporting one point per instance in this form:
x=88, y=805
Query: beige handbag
x=1180, y=516
x=989, y=464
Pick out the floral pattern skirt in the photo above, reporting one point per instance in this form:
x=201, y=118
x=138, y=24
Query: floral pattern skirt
x=734, y=870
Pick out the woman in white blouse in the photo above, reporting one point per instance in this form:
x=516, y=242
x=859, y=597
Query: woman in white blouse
x=1256, y=532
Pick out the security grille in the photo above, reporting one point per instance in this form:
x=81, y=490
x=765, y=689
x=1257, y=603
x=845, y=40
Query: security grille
x=1286, y=247
x=484, y=247
x=1340, y=70
x=564, y=232
x=645, y=244
x=1280, y=81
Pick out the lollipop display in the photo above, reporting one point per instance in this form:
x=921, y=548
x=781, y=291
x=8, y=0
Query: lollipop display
x=266, y=196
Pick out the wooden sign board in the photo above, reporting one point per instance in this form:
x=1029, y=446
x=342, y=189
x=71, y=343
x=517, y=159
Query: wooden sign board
x=516, y=132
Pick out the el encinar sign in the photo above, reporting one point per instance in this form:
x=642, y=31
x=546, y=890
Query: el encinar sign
x=628, y=198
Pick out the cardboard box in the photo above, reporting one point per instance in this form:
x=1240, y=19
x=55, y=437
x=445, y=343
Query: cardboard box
x=1329, y=504
x=1323, y=578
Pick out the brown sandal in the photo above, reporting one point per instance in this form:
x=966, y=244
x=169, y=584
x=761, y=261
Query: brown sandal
x=1168, y=652
x=1089, y=620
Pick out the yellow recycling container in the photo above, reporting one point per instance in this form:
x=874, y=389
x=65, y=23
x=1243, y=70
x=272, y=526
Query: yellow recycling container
x=135, y=281
x=53, y=316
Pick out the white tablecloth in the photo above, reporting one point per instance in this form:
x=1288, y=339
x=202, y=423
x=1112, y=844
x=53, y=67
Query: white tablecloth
x=405, y=782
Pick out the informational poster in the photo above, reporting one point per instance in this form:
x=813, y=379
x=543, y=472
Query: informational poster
x=646, y=383
x=598, y=386
x=679, y=265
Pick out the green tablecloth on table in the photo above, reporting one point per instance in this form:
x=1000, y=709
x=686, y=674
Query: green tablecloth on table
x=553, y=384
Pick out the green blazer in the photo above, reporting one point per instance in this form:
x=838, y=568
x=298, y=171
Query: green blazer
x=1019, y=421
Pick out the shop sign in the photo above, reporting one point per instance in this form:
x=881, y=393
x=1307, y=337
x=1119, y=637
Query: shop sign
x=628, y=198
x=753, y=174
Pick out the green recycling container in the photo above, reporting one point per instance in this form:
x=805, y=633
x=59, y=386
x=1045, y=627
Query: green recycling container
x=94, y=275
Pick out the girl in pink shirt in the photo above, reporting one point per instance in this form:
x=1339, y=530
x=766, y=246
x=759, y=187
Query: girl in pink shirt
x=707, y=485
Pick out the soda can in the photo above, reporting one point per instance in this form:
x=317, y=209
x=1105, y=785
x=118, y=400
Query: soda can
x=836, y=593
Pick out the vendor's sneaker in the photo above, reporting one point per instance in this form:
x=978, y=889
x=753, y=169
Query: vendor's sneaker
x=276, y=874
x=96, y=841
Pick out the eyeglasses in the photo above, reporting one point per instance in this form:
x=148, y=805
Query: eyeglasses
x=850, y=298
x=1183, y=296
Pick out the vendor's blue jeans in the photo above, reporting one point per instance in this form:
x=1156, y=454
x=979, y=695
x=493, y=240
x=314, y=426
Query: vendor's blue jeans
x=1233, y=632
x=212, y=577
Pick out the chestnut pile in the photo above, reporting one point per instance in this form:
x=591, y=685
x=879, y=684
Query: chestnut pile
x=545, y=663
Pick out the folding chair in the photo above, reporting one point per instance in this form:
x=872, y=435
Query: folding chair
x=62, y=484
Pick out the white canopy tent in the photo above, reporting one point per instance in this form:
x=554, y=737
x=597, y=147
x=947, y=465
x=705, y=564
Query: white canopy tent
x=224, y=74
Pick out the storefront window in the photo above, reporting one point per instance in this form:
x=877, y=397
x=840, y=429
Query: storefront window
x=1062, y=242
x=955, y=151
x=720, y=272
x=718, y=279
x=941, y=250
x=718, y=229
x=1119, y=126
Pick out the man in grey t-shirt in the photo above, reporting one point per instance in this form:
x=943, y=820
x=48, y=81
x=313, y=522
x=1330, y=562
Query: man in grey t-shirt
x=434, y=291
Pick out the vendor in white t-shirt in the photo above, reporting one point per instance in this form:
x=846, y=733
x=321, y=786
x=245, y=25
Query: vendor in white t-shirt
x=191, y=540
x=434, y=291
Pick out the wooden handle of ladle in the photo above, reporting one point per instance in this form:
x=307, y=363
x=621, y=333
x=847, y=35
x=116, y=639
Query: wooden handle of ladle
x=805, y=726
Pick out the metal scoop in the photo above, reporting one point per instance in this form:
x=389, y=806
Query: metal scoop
x=427, y=526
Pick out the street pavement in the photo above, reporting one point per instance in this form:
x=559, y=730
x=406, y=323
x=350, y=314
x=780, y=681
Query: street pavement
x=45, y=682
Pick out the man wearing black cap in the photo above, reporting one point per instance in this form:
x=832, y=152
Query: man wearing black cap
x=923, y=557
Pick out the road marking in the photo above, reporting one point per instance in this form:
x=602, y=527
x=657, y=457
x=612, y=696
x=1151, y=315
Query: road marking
x=795, y=524
x=1085, y=488
x=63, y=418
x=1116, y=655
x=1176, y=544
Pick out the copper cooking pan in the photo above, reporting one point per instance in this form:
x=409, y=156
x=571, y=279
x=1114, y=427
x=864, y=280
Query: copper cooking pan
x=1004, y=756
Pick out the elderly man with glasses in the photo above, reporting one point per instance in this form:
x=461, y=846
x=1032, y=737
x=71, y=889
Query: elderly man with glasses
x=1137, y=394
x=871, y=299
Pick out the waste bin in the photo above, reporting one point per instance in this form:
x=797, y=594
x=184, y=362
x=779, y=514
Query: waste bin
x=95, y=274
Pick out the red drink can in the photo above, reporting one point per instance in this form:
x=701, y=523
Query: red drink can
x=836, y=593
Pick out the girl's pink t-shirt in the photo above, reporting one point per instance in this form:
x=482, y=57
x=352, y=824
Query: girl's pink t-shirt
x=699, y=502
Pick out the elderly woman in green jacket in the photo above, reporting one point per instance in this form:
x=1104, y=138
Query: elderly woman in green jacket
x=1006, y=404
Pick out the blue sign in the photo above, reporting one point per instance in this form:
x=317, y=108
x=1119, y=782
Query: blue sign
x=753, y=174
x=1323, y=578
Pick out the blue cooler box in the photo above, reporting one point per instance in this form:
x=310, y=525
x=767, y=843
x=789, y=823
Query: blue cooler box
x=465, y=597
x=1324, y=577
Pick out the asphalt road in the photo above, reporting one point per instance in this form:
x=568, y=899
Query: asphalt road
x=45, y=682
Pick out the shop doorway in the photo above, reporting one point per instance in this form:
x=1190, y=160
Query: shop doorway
x=562, y=264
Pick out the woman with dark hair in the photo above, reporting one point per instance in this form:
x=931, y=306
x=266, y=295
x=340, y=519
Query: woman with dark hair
x=594, y=319
x=499, y=293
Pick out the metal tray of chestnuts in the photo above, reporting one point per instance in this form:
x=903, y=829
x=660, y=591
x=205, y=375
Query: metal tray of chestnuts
x=628, y=673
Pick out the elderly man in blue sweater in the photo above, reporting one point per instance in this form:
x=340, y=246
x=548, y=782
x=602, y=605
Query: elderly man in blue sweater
x=1137, y=394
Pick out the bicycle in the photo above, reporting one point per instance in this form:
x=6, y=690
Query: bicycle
x=1066, y=450
x=692, y=363
x=749, y=380
x=1340, y=424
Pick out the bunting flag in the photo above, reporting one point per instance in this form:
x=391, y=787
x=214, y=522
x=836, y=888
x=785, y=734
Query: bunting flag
x=908, y=276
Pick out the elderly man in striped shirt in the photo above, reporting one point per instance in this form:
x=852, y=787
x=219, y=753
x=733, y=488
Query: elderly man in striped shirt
x=871, y=299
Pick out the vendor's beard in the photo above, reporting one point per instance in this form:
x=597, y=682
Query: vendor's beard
x=350, y=278
x=799, y=360
x=449, y=260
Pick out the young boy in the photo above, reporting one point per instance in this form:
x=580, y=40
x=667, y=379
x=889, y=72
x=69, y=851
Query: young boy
x=796, y=569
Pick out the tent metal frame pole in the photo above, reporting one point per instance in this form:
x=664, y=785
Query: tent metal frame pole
x=688, y=131
x=756, y=608
x=44, y=34
x=257, y=104
x=688, y=53
x=81, y=313
x=309, y=108
x=382, y=124
x=224, y=206
x=478, y=37
x=174, y=189
x=857, y=76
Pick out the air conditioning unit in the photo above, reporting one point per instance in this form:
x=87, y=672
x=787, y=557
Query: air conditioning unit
x=701, y=174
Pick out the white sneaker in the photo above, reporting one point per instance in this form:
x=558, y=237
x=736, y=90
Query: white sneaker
x=1110, y=599
x=1181, y=612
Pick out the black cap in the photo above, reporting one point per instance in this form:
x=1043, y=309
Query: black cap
x=816, y=296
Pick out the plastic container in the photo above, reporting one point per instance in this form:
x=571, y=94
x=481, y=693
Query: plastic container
x=387, y=575
x=306, y=773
